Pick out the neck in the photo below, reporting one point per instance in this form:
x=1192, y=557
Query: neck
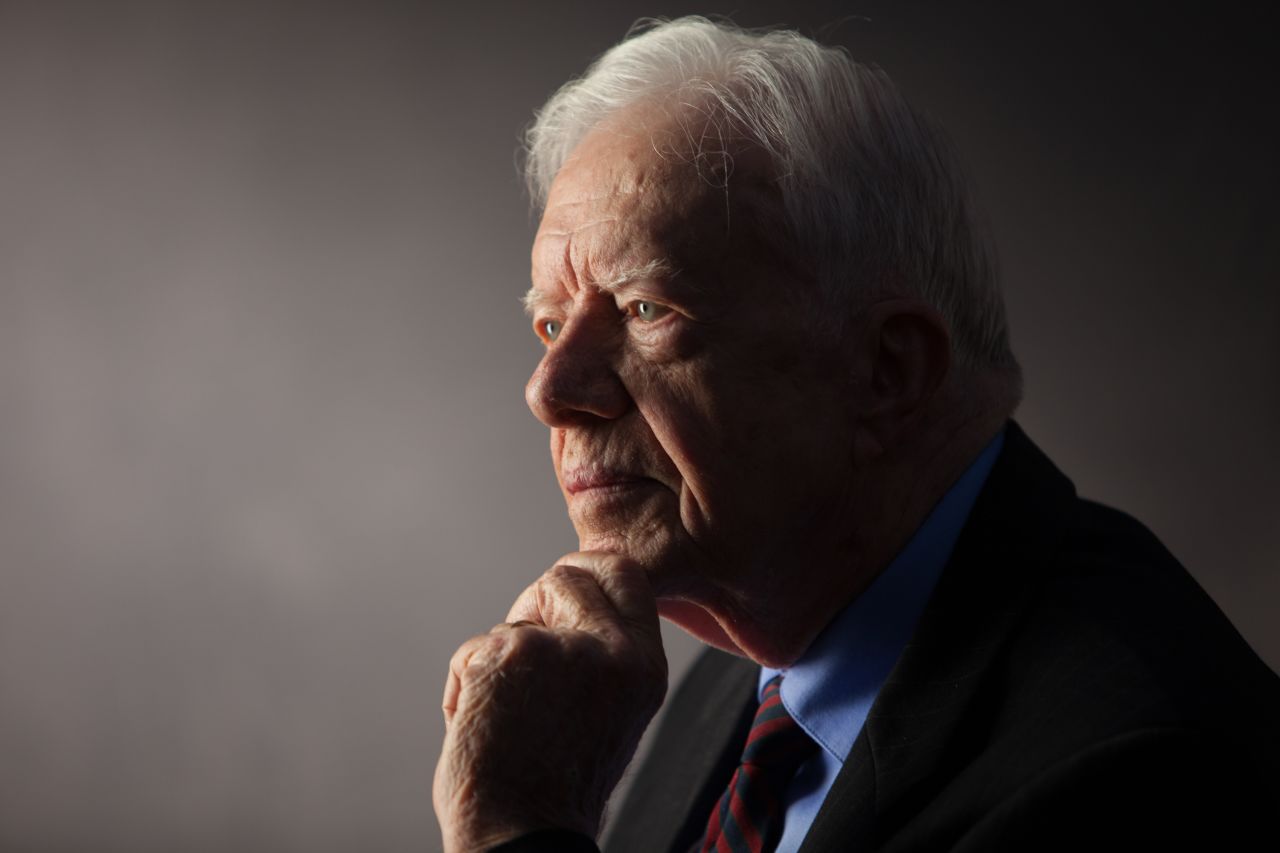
x=897, y=496
x=911, y=487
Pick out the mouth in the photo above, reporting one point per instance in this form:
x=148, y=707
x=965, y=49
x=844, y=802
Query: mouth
x=603, y=480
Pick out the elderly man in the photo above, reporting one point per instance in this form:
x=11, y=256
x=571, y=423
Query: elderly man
x=778, y=382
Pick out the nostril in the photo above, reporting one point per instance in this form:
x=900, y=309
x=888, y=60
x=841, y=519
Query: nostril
x=573, y=385
x=567, y=417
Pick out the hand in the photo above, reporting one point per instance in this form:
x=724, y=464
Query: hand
x=541, y=718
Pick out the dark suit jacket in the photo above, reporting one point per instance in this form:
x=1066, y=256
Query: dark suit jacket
x=1069, y=686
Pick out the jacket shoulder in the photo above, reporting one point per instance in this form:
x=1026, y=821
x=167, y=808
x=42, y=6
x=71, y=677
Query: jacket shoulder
x=1070, y=660
x=1118, y=629
x=1122, y=693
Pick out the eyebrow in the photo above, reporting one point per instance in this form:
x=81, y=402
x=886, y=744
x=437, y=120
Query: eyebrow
x=535, y=299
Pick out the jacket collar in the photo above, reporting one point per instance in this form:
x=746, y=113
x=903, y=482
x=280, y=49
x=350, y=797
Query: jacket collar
x=900, y=757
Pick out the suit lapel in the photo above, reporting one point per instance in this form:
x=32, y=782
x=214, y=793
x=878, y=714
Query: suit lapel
x=693, y=755
x=921, y=729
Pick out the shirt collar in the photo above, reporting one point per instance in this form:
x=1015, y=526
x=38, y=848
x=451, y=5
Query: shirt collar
x=829, y=691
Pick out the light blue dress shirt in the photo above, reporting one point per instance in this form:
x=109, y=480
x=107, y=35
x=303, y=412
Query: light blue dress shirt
x=829, y=691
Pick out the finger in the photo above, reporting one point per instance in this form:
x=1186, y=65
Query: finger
x=633, y=616
x=458, y=664
x=567, y=596
x=625, y=583
x=594, y=591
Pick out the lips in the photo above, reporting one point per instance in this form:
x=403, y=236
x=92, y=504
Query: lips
x=587, y=479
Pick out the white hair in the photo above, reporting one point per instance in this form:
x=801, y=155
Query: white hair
x=873, y=197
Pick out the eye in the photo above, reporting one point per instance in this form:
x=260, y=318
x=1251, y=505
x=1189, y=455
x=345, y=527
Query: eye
x=647, y=311
x=549, y=330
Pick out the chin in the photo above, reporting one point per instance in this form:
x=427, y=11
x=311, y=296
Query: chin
x=655, y=550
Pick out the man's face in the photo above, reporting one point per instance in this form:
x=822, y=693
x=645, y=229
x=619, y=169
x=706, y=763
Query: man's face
x=698, y=423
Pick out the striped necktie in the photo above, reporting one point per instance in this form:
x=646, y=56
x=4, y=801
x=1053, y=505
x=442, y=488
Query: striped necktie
x=749, y=814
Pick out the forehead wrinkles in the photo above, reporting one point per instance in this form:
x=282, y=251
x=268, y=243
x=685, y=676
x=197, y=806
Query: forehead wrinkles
x=554, y=247
x=587, y=240
x=567, y=257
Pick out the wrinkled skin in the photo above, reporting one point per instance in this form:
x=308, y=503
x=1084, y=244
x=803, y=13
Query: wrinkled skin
x=719, y=428
x=722, y=464
x=557, y=688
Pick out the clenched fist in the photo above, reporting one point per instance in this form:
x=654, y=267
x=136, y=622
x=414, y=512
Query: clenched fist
x=542, y=716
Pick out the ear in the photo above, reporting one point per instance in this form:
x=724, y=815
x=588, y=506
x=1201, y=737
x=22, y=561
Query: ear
x=903, y=356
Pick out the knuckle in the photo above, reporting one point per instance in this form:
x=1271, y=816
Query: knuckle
x=460, y=657
x=559, y=570
x=564, y=573
x=544, y=599
x=555, y=595
x=522, y=643
x=476, y=653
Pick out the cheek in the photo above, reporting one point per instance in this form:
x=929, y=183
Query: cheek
x=680, y=340
x=737, y=419
x=557, y=451
x=760, y=435
x=675, y=402
x=711, y=430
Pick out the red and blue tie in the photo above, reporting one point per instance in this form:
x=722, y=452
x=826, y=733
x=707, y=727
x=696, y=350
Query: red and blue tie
x=749, y=814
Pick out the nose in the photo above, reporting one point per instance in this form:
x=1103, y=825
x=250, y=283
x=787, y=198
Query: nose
x=576, y=382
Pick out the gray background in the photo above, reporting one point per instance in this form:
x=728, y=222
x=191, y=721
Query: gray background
x=264, y=457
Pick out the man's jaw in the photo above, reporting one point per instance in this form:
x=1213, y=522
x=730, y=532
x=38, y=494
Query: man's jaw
x=697, y=623
x=768, y=644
